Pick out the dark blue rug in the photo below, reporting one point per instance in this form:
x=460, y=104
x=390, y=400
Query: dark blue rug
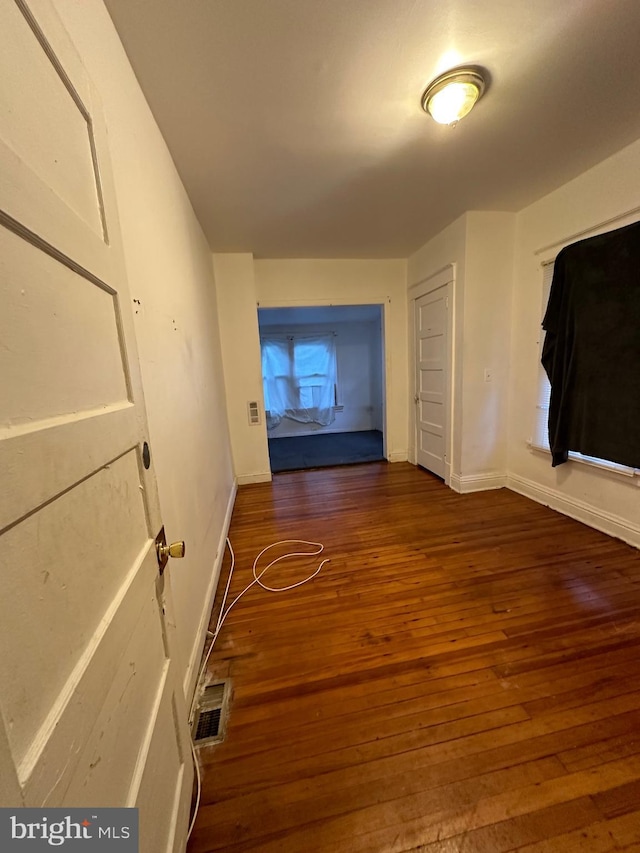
x=324, y=450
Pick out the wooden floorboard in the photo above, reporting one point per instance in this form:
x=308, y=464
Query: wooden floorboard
x=461, y=676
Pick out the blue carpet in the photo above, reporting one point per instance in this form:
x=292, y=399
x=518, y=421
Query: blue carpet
x=324, y=450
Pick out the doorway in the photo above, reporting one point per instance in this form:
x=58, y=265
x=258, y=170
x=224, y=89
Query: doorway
x=351, y=430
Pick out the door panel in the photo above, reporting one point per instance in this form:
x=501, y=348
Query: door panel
x=51, y=765
x=56, y=605
x=431, y=382
x=431, y=354
x=430, y=348
x=62, y=156
x=431, y=416
x=162, y=754
x=92, y=711
x=54, y=315
x=40, y=459
x=430, y=446
x=111, y=751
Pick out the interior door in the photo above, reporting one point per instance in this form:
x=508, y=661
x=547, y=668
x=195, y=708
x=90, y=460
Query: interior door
x=91, y=708
x=431, y=359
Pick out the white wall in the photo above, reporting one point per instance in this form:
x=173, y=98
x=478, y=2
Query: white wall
x=607, y=501
x=242, y=368
x=282, y=283
x=169, y=269
x=357, y=358
x=486, y=343
x=498, y=296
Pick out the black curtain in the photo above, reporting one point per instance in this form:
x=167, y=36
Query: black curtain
x=591, y=351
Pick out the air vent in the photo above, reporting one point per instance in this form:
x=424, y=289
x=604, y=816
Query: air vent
x=210, y=721
x=254, y=413
x=209, y=724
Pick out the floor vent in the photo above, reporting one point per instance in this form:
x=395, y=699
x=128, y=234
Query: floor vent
x=209, y=724
x=210, y=721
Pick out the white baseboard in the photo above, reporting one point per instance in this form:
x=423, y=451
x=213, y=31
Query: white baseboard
x=189, y=683
x=478, y=482
x=246, y=479
x=601, y=520
x=398, y=456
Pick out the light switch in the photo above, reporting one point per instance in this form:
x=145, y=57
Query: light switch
x=253, y=412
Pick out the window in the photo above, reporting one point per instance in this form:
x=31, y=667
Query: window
x=540, y=431
x=540, y=439
x=300, y=378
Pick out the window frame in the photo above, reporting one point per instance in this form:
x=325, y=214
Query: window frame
x=290, y=338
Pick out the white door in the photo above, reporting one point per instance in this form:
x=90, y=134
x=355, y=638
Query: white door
x=91, y=708
x=431, y=358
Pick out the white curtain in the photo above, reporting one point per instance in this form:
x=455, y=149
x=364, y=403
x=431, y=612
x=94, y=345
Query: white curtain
x=299, y=376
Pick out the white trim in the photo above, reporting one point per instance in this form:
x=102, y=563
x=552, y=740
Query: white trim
x=478, y=482
x=320, y=302
x=164, y=685
x=606, y=522
x=189, y=681
x=179, y=817
x=387, y=378
x=432, y=281
x=614, y=468
x=246, y=479
x=398, y=456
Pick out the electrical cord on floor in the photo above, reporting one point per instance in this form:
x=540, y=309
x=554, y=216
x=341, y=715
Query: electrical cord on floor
x=257, y=579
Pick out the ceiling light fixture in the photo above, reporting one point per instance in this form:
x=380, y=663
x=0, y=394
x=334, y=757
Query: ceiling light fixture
x=453, y=94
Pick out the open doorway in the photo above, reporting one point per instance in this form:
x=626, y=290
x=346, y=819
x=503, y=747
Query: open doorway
x=323, y=374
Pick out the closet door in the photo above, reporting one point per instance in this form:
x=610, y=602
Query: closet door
x=432, y=378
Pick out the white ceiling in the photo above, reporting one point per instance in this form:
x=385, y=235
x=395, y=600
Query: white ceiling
x=297, y=129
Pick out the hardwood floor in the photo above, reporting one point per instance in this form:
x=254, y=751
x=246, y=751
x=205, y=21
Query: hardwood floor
x=462, y=676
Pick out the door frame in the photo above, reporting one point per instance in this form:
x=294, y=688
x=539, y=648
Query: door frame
x=385, y=318
x=442, y=278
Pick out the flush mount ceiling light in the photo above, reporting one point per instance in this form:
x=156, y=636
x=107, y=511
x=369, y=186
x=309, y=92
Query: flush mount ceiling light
x=453, y=94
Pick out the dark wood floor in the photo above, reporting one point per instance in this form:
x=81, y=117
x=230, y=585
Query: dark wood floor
x=462, y=676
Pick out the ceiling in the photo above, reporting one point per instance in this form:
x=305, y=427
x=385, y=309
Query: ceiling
x=297, y=129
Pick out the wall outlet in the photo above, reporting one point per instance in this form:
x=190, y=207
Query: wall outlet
x=253, y=412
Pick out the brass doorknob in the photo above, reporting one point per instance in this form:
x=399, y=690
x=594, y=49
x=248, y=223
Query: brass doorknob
x=176, y=549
